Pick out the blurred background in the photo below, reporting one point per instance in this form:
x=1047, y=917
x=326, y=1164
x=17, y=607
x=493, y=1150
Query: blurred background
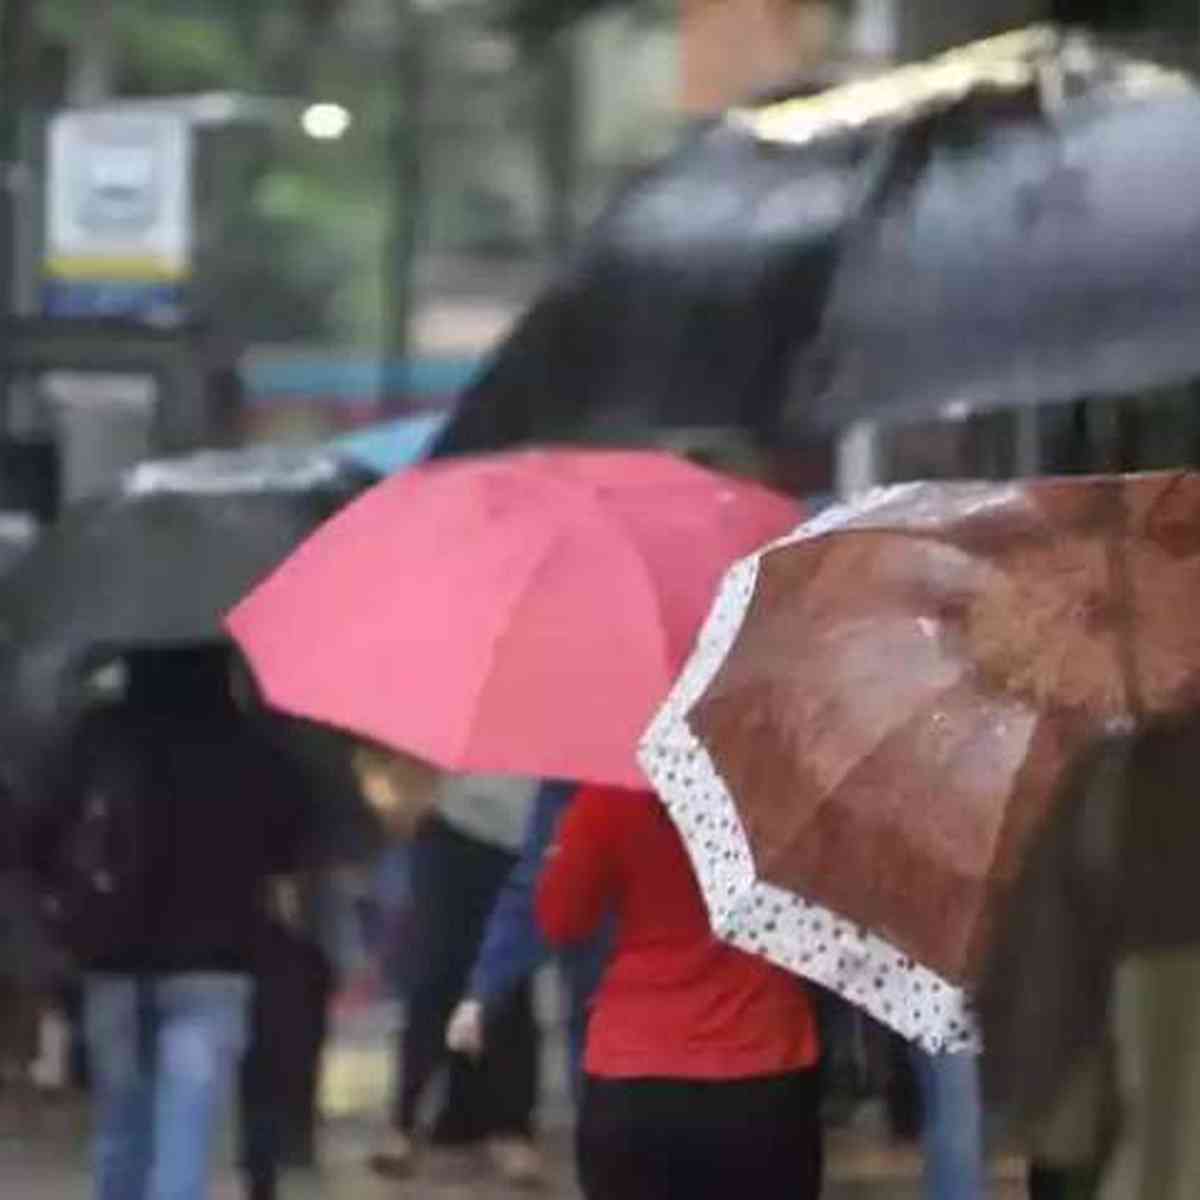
x=233, y=220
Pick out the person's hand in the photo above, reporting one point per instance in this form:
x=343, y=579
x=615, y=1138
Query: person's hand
x=464, y=1033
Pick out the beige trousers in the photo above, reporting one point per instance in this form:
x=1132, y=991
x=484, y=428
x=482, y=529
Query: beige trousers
x=1157, y=1034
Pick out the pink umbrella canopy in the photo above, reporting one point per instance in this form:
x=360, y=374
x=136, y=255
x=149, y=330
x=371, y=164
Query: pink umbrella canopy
x=518, y=614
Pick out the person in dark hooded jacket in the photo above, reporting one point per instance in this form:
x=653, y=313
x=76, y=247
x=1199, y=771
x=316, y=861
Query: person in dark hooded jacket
x=153, y=851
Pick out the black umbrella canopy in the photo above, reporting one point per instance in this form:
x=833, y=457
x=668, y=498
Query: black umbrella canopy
x=162, y=560
x=144, y=570
x=942, y=234
x=1032, y=243
x=157, y=563
x=153, y=568
x=679, y=308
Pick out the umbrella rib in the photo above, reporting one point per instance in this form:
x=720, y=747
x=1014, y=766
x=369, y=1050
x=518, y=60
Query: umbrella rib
x=800, y=828
x=532, y=579
x=617, y=523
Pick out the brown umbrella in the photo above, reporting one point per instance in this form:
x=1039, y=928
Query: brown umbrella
x=903, y=686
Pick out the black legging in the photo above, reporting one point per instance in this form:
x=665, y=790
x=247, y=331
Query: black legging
x=673, y=1139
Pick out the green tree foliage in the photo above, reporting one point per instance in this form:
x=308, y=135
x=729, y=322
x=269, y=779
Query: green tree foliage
x=291, y=229
x=299, y=237
x=537, y=22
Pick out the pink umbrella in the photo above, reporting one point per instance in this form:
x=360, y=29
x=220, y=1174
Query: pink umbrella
x=516, y=614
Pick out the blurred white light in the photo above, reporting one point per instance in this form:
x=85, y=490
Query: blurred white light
x=325, y=122
x=956, y=410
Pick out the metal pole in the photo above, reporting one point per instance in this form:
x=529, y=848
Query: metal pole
x=93, y=58
x=16, y=47
x=559, y=140
x=409, y=147
x=16, y=51
x=1027, y=450
x=859, y=466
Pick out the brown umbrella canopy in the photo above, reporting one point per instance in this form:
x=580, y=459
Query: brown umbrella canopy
x=907, y=691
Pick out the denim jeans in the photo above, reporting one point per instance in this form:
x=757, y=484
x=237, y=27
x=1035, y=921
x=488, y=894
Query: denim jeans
x=163, y=1052
x=952, y=1126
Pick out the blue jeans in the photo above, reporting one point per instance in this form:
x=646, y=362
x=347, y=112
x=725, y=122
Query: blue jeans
x=952, y=1127
x=163, y=1052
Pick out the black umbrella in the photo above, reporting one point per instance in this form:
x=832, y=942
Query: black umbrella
x=1035, y=253
x=162, y=560
x=1015, y=222
x=679, y=309
x=157, y=563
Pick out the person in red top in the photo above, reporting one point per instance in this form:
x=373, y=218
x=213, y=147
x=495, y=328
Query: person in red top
x=701, y=1061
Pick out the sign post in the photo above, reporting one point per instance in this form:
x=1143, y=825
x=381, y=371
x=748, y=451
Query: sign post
x=119, y=215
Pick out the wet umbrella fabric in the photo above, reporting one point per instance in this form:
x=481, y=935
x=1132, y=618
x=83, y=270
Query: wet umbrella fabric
x=154, y=564
x=1034, y=256
x=513, y=614
x=883, y=708
x=876, y=252
x=671, y=314
x=161, y=560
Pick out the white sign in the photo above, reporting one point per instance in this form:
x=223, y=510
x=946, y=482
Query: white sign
x=119, y=198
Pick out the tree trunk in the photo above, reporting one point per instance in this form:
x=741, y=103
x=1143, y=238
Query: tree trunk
x=16, y=52
x=94, y=56
x=407, y=153
x=560, y=129
x=289, y=61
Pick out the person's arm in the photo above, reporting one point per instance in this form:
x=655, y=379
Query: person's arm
x=512, y=947
x=579, y=881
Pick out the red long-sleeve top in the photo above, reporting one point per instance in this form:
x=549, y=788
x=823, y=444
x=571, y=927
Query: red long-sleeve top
x=675, y=1002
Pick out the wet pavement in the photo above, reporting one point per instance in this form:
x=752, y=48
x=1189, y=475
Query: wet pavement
x=43, y=1141
x=42, y=1157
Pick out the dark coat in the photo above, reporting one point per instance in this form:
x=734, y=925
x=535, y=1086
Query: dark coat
x=220, y=809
